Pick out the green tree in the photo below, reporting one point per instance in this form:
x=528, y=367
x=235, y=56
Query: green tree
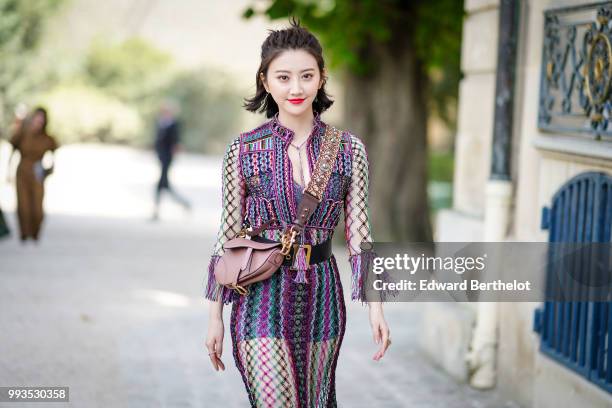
x=133, y=71
x=140, y=75
x=400, y=63
x=210, y=108
x=21, y=28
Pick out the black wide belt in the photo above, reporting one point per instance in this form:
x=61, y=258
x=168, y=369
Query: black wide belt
x=318, y=253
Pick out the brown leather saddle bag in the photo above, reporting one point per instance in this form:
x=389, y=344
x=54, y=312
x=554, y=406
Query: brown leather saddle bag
x=246, y=261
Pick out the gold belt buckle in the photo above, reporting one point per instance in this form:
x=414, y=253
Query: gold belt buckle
x=295, y=250
x=240, y=289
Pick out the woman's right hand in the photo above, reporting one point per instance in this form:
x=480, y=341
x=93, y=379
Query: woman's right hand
x=214, y=342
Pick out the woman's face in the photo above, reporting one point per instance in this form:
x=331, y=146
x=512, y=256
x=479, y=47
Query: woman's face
x=38, y=121
x=293, y=79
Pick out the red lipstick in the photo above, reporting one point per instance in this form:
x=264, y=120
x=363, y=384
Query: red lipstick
x=296, y=101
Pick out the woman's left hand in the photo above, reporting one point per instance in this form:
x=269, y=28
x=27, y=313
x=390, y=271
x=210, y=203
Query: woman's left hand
x=380, y=330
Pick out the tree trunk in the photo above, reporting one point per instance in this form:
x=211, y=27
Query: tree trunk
x=387, y=110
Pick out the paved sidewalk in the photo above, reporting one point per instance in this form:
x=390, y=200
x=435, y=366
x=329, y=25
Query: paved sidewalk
x=111, y=306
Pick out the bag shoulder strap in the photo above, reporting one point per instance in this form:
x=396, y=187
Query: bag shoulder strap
x=313, y=194
x=320, y=177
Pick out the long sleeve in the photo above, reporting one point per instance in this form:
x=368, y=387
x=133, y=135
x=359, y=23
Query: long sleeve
x=233, y=200
x=357, y=225
x=357, y=218
x=17, y=135
x=176, y=133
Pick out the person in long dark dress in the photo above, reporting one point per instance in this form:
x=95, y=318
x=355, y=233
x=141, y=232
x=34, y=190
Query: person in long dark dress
x=167, y=141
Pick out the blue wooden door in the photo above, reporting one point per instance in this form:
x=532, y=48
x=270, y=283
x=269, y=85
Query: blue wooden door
x=578, y=334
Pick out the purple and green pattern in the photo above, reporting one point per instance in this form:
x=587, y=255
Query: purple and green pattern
x=287, y=335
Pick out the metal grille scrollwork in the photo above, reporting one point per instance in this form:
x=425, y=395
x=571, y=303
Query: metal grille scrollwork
x=575, y=94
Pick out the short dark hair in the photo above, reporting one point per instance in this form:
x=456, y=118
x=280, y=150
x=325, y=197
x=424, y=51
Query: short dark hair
x=294, y=37
x=42, y=111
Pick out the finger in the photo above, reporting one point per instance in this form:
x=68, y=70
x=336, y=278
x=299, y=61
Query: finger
x=211, y=354
x=385, y=337
x=220, y=363
x=213, y=361
x=382, y=340
x=219, y=348
x=380, y=351
x=385, y=343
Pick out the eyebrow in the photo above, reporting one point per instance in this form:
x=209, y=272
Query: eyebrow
x=285, y=71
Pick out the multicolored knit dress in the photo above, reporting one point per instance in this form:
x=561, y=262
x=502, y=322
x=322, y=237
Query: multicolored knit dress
x=286, y=334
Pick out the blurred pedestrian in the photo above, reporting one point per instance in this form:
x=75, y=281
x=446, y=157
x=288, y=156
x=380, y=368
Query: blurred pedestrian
x=32, y=141
x=167, y=142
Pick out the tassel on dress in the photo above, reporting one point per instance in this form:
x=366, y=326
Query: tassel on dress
x=300, y=265
x=215, y=291
x=361, y=266
x=367, y=261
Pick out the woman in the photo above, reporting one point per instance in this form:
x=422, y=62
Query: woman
x=32, y=142
x=287, y=333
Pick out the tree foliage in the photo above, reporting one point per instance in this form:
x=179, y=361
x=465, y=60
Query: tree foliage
x=21, y=27
x=348, y=27
x=133, y=71
x=129, y=70
x=210, y=108
x=120, y=87
x=82, y=113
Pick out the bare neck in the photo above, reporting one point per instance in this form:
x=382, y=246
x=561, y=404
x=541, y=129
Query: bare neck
x=300, y=125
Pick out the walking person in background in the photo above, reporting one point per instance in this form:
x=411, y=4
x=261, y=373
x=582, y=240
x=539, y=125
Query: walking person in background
x=167, y=140
x=33, y=142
